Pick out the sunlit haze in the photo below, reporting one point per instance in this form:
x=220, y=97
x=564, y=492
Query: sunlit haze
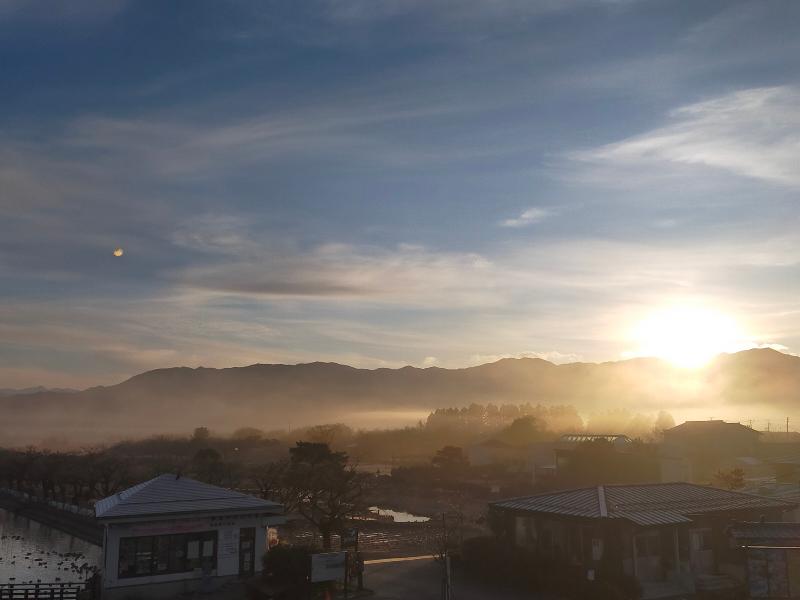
x=507, y=290
x=687, y=336
x=382, y=184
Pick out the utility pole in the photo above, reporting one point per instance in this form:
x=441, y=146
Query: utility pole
x=446, y=591
x=787, y=426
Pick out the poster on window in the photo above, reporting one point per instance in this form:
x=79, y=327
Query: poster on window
x=193, y=549
x=230, y=542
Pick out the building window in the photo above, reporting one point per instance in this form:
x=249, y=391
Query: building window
x=648, y=545
x=161, y=549
x=701, y=540
x=144, y=555
x=177, y=553
x=162, y=554
x=127, y=557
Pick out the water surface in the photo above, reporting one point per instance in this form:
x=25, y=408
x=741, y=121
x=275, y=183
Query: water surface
x=31, y=552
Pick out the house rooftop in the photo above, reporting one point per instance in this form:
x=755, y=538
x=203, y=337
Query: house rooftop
x=710, y=427
x=644, y=504
x=174, y=495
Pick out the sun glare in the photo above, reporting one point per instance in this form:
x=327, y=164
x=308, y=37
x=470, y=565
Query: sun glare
x=687, y=337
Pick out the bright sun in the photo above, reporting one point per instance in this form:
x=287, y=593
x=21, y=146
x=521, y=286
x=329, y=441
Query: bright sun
x=686, y=336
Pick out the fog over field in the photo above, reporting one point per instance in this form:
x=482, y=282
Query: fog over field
x=752, y=385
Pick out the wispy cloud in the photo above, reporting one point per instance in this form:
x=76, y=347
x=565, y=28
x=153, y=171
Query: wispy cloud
x=216, y=234
x=529, y=216
x=752, y=133
x=340, y=271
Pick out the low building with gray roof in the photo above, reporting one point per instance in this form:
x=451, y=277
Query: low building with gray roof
x=669, y=536
x=173, y=535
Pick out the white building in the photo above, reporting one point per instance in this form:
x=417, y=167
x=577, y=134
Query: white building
x=173, y=535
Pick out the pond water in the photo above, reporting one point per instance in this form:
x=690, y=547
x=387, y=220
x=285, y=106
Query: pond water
x=398, y=516
x=30, y=551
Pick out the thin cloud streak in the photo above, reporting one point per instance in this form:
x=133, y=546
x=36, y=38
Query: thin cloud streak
x=529, y=216
x=752, y=133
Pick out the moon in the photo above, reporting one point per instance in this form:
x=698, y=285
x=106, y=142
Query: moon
x=119, y=252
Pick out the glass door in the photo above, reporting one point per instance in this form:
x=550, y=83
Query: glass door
x=247, y=551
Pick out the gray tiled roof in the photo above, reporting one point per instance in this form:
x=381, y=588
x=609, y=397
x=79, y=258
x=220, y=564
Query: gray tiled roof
x=646, y=504
x=172, y=495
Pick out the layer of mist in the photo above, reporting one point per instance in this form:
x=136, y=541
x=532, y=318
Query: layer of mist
x=735, y=386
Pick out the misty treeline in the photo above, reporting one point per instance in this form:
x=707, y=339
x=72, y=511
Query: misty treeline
x=310, y=479
x=519, y=424
x=81, y=476
x=70, y=477
x=320, y=471
x=461, y=427
x=465, y=426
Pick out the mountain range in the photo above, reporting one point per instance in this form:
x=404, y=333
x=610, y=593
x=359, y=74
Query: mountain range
x=33, y=390
x=277, y=396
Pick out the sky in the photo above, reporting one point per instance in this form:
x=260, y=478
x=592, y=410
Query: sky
x=390, y=182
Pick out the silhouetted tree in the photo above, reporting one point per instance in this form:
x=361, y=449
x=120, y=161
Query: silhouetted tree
x=523, y=430
x=325, y=489
x=248, y=434
x=201, y=434
x=450, y=459
x=663, y=422
x=270, y=479
x=730, y=480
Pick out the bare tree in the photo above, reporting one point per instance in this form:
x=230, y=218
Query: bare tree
x=324, y=488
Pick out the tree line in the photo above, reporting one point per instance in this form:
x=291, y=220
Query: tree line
x=318, y=483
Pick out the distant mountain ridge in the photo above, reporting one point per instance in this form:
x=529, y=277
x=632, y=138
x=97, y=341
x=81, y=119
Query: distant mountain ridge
x=272, y=396
x=34, y=390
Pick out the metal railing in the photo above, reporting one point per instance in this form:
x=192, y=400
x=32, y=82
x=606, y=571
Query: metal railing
x=41, y=591
x=66, y=507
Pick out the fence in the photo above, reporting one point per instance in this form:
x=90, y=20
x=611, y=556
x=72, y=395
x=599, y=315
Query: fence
x=28, y=498
x=42, y=591
x=69, y=518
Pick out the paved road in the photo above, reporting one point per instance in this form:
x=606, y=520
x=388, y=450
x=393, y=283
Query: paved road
x=422, y=580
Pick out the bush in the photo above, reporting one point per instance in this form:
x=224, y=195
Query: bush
x=288, y=564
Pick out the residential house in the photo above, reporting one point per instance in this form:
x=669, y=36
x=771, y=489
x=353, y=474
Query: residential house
x=695, y=451
x=670, y=536
x=771, y=561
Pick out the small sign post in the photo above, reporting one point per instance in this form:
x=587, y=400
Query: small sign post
x=328, y=566
x=354, y=563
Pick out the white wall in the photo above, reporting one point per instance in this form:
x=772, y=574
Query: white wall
x=227, y=546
